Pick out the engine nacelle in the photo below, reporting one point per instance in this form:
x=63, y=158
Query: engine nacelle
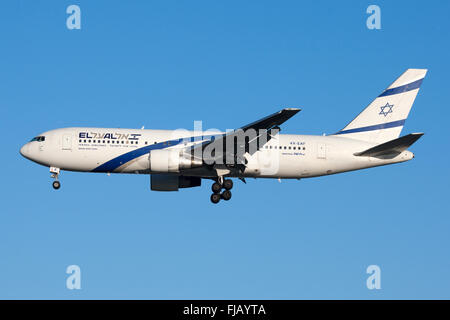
x=171, y=182
x=172, y=160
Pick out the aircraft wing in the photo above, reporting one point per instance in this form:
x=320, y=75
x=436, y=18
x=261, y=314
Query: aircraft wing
x=274, y=120
x=263, y=130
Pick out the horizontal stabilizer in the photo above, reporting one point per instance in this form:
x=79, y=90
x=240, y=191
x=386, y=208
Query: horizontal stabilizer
x=395, y=146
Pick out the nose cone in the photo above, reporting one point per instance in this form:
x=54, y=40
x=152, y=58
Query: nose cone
x=24, y=151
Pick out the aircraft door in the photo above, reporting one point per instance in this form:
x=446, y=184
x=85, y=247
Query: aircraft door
x=321, y=151
x=67, y=142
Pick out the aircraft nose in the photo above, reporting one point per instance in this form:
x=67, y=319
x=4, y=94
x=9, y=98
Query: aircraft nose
x=24, y=150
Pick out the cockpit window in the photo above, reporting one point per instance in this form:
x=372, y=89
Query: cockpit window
x=38, y=139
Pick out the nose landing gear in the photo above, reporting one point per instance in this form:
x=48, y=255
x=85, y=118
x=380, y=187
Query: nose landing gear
x=55, y=173
x=217, y=186
x=56, y=185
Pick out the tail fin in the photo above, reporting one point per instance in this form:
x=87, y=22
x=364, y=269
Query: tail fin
x=383, y=119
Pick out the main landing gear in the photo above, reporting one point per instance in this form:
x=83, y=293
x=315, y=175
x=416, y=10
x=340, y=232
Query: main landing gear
x=55, y=173
x=217, y=187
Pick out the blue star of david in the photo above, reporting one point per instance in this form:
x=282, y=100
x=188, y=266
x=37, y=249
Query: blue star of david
x=385, y=110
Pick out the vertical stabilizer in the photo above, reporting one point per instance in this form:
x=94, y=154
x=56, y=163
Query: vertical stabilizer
x=384, y=118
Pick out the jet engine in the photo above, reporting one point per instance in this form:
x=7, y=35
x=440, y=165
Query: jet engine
x=172, y=182
x=172, y=160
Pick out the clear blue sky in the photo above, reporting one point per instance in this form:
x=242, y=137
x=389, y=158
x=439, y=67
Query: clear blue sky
x=165, y=64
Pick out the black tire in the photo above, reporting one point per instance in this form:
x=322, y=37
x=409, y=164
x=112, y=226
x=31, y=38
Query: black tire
x=228, y=184
x=226, y=195
x=215, y=198
x=216, y=187
x=56, y=185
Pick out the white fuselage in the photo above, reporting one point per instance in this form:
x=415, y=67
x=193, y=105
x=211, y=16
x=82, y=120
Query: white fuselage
x=127, y=151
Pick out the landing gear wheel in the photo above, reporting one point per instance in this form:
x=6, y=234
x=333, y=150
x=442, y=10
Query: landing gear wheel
x=215, y=198
x=56, y=185
x=216, y=187
x=228, y=184
x=226, y=195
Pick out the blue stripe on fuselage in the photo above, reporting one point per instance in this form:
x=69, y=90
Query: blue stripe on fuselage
x=401, y=89
x=113, y=164
x=375, y=127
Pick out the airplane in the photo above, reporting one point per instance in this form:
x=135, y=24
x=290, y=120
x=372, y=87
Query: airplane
x=176, y=159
